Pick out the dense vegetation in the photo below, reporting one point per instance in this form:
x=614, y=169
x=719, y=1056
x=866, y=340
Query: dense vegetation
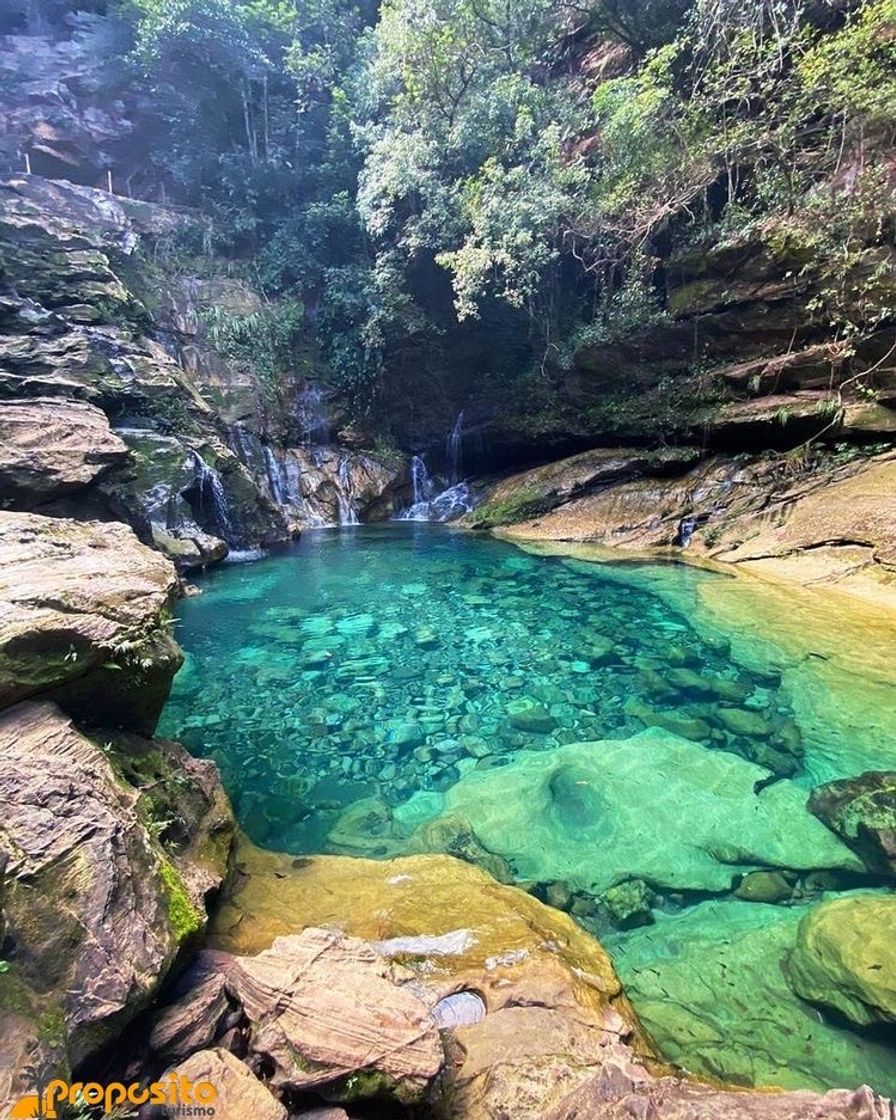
x=422, y=178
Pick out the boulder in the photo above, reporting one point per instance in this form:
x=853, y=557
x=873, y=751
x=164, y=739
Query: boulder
x=82, y=606
x=862, y=811
x=238, y=1094
x=51, y=447
x=845, y=958
x=764, y=886
x=328, y=1011
x=95, y=908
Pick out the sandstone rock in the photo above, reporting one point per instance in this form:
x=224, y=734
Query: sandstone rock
x=81, y=606
x=622, y=1091
x=629, y=903
x=742, y=721
x=528, y=715
x=95, y=911
x=239, y=1094
x=679, y=723
x=191, y=1022
x=862, y=811
x=50, y=447
x=556, y=1023
x=326, y=1010
x=845, y=958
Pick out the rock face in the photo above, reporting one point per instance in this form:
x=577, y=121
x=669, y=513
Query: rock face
x=81, y=606
x=570, y=814
x=95, y=907
x=208, y=454
x=845, y=958
x=833, y=524
x=326, y=1010
x=862, y=811
x=49, y=448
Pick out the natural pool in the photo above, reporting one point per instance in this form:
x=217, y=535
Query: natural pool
x=377, y=691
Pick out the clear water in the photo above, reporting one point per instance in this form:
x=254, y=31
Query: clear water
x=351, y=687
x=357, y=664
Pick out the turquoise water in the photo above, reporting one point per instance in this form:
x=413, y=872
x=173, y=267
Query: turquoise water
x=379, y=662
x=380, y=691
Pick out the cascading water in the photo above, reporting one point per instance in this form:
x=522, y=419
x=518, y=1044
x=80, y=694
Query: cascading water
x=212, y=496
x=454, y=449
x=345, y=496
x=311, y=416
x=427, y=505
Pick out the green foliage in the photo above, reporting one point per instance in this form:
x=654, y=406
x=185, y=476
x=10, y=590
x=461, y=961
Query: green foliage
x=269, y=339
x=403, y=177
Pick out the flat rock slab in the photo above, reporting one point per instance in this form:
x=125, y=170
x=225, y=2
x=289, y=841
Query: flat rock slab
x=75, y=596
x=49, y=448
x=621, y=1092
x=709, y=986
x=327, y=1010
x=653, y=807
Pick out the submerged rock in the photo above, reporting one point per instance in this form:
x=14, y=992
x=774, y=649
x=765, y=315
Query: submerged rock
x=765, y=886
x=845, y=958
x=527, y=714
x=557, y=1037
x=709, y=986
x=629, y=904
x=862, y=811
x=653, y=807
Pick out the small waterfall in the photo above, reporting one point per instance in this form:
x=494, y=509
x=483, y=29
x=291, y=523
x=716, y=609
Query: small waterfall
x=312, y=416
x=427, y=504
x=454, y=449
x=212, y=496
x=348, y=509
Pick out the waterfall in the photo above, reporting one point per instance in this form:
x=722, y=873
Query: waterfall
x=454, y=449
x=427, y=504
x=311, y=415
x=348, y=509
x=212, y=496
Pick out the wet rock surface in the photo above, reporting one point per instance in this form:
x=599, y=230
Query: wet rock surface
x=862, y=810
x=832, y=524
